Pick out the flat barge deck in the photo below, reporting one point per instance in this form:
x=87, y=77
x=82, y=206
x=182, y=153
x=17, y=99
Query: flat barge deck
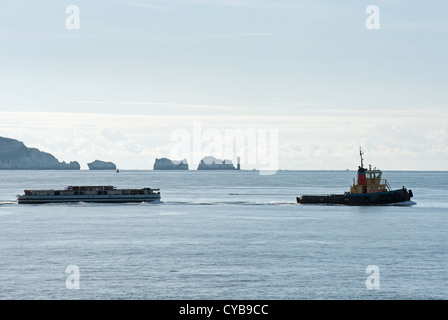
x=99, y=194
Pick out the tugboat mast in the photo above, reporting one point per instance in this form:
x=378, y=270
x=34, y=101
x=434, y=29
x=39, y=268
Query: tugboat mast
x=362, y=160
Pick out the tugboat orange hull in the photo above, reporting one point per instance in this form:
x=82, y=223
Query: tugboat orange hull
x=361, y=199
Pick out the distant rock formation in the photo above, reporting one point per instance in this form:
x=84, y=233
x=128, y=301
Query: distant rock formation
x=211, y=163
x=101, y=165
x=14, y=155
x=167, y=164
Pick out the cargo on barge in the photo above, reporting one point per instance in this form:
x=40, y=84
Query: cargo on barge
x=100, y=194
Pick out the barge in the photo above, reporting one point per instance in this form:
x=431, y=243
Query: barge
x=100, y=194
x=369, y=189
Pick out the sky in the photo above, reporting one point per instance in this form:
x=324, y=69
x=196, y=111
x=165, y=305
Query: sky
x=307, y=80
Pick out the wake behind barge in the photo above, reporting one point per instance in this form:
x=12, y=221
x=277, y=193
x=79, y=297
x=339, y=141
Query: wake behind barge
x=369, y=189
x=100, y=194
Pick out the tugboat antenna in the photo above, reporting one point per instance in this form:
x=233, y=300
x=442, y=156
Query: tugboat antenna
x=362, y=160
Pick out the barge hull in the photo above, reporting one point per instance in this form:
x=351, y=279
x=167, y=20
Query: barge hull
x=99, y=194
x=97, y=199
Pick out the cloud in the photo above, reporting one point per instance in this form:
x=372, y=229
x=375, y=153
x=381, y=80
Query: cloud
x=321, y=139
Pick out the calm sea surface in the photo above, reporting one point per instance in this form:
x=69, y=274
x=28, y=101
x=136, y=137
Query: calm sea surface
x=223, y=235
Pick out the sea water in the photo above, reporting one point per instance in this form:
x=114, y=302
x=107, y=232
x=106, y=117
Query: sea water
x=223, y=235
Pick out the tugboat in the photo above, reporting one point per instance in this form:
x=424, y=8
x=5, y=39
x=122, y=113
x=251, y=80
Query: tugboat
x=369, y=189
x=102, y=194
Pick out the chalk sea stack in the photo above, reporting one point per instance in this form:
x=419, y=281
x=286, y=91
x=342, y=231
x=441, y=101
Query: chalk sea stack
x=211, y=163
x=14, y=155
x=168, y=164
x=101, y=165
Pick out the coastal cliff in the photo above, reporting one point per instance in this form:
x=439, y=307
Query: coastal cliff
x=14, y=155
x=167, y=164
x=101, y=165
x=211, y=163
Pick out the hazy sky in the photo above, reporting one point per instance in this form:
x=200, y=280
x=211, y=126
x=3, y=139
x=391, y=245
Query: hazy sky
x=135, y=72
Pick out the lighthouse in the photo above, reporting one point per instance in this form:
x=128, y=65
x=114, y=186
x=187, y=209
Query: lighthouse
x=238, y=166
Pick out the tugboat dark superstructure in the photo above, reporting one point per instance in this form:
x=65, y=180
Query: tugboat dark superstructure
x=369, y=189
